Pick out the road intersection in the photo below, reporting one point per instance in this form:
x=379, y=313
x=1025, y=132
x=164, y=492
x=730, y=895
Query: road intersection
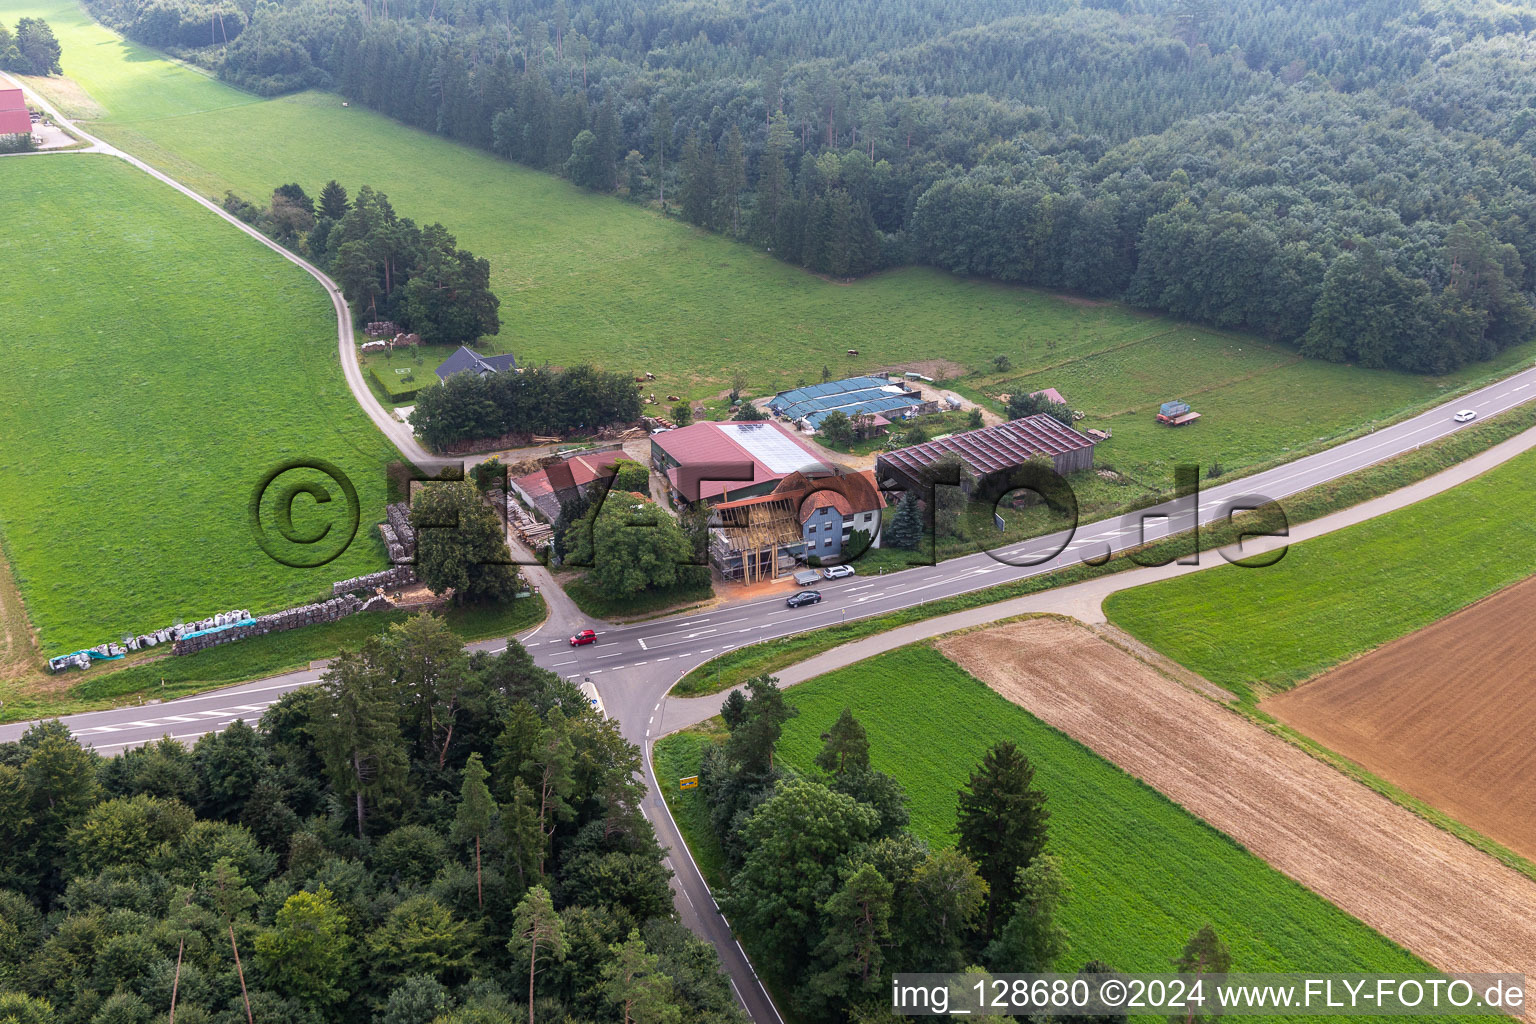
x=634, y=666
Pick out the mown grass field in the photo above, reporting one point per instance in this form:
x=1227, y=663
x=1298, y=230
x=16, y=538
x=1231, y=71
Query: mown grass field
x=160, y=364
x=588, y=277
x=1144, y=873
x=1345, y=593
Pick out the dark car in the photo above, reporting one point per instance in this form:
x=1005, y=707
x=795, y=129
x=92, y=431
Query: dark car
x=583, y=638
x=804, y=597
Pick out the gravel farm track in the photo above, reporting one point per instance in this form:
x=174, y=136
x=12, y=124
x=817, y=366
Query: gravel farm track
x=1443, y=713
x=1421, y=887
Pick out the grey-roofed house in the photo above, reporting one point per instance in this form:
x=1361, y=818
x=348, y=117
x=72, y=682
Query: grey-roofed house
x=467, y=360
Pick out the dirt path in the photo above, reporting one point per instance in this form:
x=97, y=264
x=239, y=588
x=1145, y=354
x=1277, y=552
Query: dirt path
x=1445, y=713
x=1421, y=887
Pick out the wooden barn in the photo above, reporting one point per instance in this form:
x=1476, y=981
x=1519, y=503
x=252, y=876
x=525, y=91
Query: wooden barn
x=991, y=450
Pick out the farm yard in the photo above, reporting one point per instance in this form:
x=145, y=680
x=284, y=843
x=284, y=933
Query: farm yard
x=160, y=364
x=1257, y=632
x=1144, y=873
x=1446, y=713
x=588, y=277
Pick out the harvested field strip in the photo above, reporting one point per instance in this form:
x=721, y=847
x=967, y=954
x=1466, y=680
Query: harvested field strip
x=1144, y=872
x=1455, y=907
x=1446, y=713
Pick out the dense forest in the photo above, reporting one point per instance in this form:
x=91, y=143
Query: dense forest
x=425, y=836
x=1354, y=177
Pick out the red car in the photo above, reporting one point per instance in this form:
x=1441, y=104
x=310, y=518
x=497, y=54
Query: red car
x=583, y=638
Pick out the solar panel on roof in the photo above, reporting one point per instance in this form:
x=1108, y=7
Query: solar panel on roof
x=768, y=446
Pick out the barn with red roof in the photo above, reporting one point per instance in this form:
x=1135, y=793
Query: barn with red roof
x=14, y=117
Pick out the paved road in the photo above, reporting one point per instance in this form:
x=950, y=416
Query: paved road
x=633, y=666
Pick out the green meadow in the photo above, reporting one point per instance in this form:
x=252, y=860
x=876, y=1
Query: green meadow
x=1344, y=593
x=1144, y=873
x=161, y=363
x=584, y=277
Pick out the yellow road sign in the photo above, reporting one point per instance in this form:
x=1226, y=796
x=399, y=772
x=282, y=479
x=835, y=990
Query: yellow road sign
x=691, y=782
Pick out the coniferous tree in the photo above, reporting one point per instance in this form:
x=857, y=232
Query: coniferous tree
x=732, y=181
x=1001, y=824
x=906, y=529
x=698, y=180
x=845, y=746
x=476, y=813
x=538, y=937
x=333, y=200
x=661, y=133
x=633, y=981
x=355, y=729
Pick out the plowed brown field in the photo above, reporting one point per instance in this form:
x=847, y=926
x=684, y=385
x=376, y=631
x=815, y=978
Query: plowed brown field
x=1459, y=909
x=1447, y=713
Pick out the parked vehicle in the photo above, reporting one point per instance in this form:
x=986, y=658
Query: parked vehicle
x=837, y=572
x=583, y=638
x=807, y=577
x=1465, y=416
x=1176, y=414
x=802, y=598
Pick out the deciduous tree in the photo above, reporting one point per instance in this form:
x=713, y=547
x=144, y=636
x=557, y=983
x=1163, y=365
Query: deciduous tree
x=306, y=954
x=461, y=544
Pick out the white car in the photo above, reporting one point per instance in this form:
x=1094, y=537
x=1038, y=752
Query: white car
x=1465, y=416
x=837, y=572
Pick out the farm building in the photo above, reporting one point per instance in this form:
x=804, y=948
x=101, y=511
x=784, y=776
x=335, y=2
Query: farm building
x=467, y=360
x=767, y=536
x=14, y=119
x=874, y=396
x=716, y=461
x=992, y=450
x=548, y=487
